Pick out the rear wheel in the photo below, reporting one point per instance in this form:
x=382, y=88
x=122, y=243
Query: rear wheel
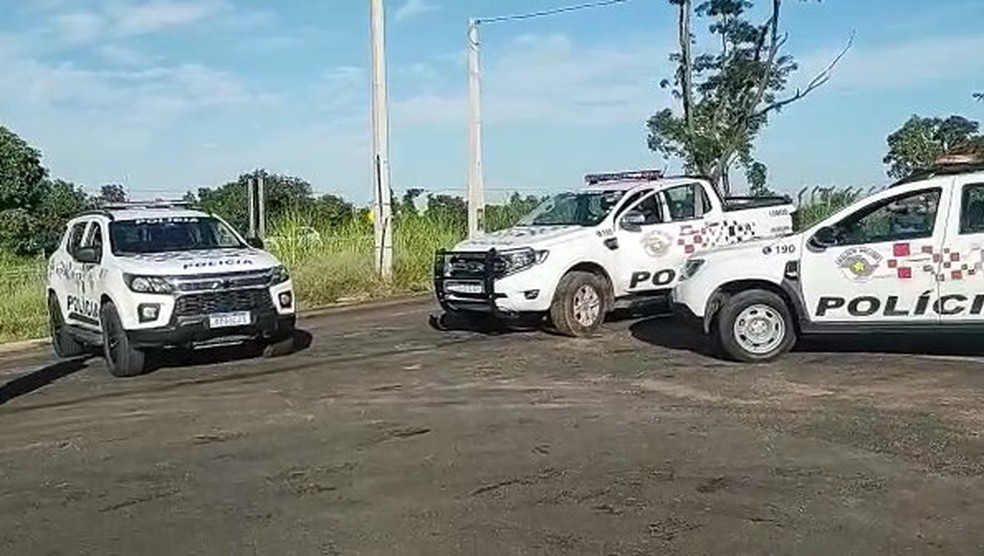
x=62, y=342
x=122, y=358
x=755, y=326
x=580, y=304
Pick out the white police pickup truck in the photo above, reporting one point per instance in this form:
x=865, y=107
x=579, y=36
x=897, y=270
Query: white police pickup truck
x=131, y=278
x=622, y=237
x=909, y=258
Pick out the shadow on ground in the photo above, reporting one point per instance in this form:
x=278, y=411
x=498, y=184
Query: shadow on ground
x=672, y=334
x=34, y=380
x=302, y=340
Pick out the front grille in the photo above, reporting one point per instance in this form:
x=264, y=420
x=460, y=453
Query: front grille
x=225, y=281
x=469, y=265
x=222, y=302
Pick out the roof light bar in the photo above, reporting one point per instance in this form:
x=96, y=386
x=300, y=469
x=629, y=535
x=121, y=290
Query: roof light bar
x=158, y=204
x=634, y=175
x=958, y=159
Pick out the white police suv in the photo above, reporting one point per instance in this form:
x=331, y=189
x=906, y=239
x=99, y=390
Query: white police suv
x=907, y=259
x=135, y=277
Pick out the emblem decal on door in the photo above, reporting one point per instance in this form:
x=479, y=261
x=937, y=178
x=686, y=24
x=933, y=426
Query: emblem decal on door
x=656, y=243
x=859, y=263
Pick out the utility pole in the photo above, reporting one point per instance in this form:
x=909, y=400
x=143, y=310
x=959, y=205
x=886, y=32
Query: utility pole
x=383, y=221
x=261, y=205
x=476, y=180
x=251, y=204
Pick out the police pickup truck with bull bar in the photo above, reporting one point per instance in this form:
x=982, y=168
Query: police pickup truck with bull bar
x=909, y=258
x=579, y=254
x=130, y=278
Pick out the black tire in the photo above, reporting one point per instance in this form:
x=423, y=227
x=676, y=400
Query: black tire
x=122, y=359
x=278, y=347
x=62, y=342
x=778, y=331
x=564, y=313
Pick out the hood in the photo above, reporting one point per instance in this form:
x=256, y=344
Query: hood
x=522, y=236
x=183, y=263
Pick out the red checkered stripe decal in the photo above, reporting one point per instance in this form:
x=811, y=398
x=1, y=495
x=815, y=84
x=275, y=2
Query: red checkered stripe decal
x=924, y=258
x=691, y=237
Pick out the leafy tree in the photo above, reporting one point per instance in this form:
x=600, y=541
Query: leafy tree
x=112, y=193
x=758, y=174
x=448, y=207
x=502, y=216
x=333, y=211
x=21, y=173
x=920, y=141
x=284, y=194
x=408, y=204
x=63, y=200
x=727, y=94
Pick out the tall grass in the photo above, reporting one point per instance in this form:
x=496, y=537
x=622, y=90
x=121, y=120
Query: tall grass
x=334, y=263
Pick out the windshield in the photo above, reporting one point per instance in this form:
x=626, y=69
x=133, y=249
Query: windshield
x=159, y=235
x=583, y=208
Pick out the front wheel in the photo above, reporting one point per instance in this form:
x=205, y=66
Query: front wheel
x=755, y=326
x=122, y=358
x=580, y=304
x=62, y=342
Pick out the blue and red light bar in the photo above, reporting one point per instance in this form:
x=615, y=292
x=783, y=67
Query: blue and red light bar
x=633, y=175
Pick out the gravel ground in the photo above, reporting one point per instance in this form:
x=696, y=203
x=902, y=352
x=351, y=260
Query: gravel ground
x=385, y=436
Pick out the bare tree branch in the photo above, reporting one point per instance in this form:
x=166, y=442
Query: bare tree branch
x=818, y=81
x=979, y=96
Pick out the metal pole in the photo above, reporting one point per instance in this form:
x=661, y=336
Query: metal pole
x=476, y=181
x=383, y=221
x=251, y=205
x=261, y=205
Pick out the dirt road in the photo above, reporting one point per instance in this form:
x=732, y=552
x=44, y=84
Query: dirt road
x=387, y=437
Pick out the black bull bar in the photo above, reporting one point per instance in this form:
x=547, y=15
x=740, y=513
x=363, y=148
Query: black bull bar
x=467, y=268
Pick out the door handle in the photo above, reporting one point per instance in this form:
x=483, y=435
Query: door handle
x=611, y=243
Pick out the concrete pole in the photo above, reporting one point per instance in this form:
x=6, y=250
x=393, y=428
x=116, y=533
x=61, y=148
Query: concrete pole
x=383, y=221
x=251, y=204
x=476, y=180
x=261, y=217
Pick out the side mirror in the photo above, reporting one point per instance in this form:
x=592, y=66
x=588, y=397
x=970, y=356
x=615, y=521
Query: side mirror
x=254, y=242
x=632, y=221
x=87, y=255
x=824, y=237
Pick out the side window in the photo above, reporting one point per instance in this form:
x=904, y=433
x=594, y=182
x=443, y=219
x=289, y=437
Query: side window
x=75, y=236
x=629, y=201
x=972, y=209
x=685, y=202
x=95, y=238
x=649, y=207
x=900, y=218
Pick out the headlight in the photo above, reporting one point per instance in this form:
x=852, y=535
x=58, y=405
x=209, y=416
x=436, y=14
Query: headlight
x=690, y=268
x=520, y=259
x=148, y=284
x=279, y=275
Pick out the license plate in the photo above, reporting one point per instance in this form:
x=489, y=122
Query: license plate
x=463, y=287
x=225, y=320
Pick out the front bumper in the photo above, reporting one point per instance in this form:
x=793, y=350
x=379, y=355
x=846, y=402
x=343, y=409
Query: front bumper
x=194, y=331
x=470, y=282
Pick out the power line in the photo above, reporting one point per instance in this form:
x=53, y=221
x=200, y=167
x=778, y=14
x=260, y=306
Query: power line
x=552, y=11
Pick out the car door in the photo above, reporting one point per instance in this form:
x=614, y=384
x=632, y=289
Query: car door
x=648, y=256
x=961, y=277
x=878, y=264
x=67, y=272
x=83, y=301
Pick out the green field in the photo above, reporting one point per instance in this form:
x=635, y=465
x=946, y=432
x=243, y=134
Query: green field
x=337, y=266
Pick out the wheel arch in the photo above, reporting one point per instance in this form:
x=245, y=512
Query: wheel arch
x=784, y=291
x=598, y=270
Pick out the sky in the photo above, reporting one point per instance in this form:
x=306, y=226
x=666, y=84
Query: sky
x=167, y=96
